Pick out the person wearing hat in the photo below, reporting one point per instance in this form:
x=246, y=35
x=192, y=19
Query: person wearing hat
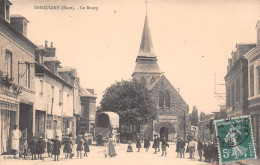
x=67, y=147
x=138, y=143
x=40, y=147
x=15, y=140
x=79, y=148
x=155, y=144
x=56, y=148
x=146, y=143
x=86, y=146
x=32, y=147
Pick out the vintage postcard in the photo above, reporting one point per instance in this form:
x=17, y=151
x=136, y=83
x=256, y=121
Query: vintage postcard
x=129, y=81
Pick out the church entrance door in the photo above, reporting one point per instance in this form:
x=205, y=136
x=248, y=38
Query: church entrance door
x=164, y=133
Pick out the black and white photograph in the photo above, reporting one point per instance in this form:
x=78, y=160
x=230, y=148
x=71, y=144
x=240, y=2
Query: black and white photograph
x=135, y=82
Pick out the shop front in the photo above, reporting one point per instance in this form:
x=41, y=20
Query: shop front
x=8, y=118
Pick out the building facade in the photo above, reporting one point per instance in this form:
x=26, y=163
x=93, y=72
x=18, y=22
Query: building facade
x=170, y=105
x=88, y=110
x=36, y=92
x=253, y=57
x=17, y=56
x=236, y=81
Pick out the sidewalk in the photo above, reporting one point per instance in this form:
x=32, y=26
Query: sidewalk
x=249, y=162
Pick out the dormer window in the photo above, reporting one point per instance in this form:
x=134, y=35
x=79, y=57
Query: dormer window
x=5, y=9
x=7, y=12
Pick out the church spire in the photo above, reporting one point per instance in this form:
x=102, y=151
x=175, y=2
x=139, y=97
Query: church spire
x=146, y=47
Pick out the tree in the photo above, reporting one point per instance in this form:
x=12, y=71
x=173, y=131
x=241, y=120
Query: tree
x=202, y=116
x=194, y=117
x=131, y=100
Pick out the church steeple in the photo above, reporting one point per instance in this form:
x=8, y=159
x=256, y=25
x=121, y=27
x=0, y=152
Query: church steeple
x=146, y=47
x=146, y=68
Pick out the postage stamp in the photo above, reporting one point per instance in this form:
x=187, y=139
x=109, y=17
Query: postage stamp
x=235, y=139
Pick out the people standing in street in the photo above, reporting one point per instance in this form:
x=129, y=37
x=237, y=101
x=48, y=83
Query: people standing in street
x=192, y=149
x=40, y=147
x=155, y=144
x=178, y=147
x=86, y=146
x=146, y=143
x=56, y=148
x=32, y=147
x=164, y=145
x=24, y=149
x=158, y=143
x=205, y=151
x=15, y=140
x=79, y=149
x=138, y=143
x=67, y=147
x=111, y=146
x=49, y=148
x=182, y=147
x=200, y=148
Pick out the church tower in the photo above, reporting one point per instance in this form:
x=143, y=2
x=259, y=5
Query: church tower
x=146, y=68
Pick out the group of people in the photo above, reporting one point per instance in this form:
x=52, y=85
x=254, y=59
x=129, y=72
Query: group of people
x=208, y=150
x=156, y=144
x=38, y=147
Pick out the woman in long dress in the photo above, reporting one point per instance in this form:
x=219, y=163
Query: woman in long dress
x=111, y=146
x=237, y=150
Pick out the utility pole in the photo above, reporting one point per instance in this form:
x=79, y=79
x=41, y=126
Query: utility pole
x=184, y=122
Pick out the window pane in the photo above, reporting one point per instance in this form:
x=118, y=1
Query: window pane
x=161, y=99
x=167, y=99
x=8, y=63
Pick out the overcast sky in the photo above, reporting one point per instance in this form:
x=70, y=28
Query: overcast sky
x=192, y=39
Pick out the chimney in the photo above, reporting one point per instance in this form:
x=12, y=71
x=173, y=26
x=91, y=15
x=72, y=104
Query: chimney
x=51, y=51
x=5, y=9
x=20, y=23
x=229, y=64
x=234, y=57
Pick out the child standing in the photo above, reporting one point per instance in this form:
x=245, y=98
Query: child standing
x=68, y=147
x=79, y=148
x=146, y=143
x=86, y=147
x=40, y=147
x=138, y=143
x=49, y=148
x=24, y=149
x=56, y=148
x=32, y=147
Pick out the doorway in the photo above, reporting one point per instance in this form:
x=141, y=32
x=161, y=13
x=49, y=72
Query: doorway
x=164, y=133
x=26, y=119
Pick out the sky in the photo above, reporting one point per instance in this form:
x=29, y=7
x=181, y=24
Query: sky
x=192, y=40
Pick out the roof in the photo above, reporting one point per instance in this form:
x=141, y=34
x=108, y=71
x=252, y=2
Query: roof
x=86, y=93
x=66, y=69
x=19, y=16
x=146, y=47
x=49, y=59
x=113, y=118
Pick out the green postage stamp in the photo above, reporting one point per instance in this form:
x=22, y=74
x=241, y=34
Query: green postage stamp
x=235, y=139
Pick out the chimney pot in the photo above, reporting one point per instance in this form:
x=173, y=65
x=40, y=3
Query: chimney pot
x=46, y=44
x=51, y=44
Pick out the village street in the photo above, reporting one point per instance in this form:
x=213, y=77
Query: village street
x=96, y=157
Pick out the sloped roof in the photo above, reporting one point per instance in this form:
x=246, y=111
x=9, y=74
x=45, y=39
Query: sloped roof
x=86, y=93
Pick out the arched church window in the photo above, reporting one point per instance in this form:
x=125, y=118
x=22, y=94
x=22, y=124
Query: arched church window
x=143, y=81
x=167, y=98
x=161, y=99
x=152, y=80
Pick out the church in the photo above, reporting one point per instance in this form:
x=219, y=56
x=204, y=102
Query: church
x=172, y=109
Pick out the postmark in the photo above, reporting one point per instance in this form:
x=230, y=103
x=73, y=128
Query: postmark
x=235, y=139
